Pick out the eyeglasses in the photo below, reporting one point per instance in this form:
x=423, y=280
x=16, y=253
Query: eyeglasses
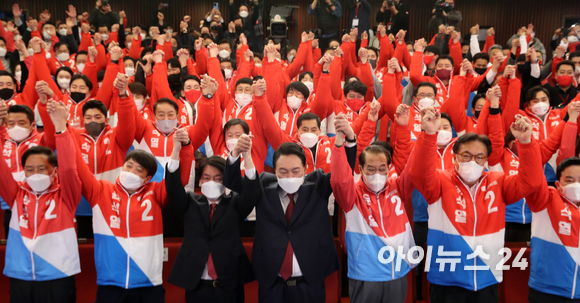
x=466, y=157
x=421, y=96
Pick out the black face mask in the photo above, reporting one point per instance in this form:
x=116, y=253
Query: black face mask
x=214, y=28
x=477, y=112
x=238, y=29
x=521, y=68
x=6, y=94
x=174, y=79
x=94, y=129
x=78, y=97
x=373, y=63
x=480, y=70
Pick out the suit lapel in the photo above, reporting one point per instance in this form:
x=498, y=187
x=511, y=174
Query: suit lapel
x=274, y=199
x=204, y=208
x=219, y=210
x=303, y=197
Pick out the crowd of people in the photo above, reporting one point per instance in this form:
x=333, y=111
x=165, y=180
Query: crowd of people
x=129, y=134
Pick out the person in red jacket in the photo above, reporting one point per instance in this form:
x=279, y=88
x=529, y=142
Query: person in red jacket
x=467, y=208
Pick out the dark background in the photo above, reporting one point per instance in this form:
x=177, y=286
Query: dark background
x=506, y=16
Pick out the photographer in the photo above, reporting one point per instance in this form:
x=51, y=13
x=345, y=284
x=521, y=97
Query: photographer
x=360, y=16
x=327, y=14
x=102, y=15
x=394, y=15
x=444, y=13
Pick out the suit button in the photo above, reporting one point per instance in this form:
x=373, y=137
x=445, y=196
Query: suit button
x=289, y=232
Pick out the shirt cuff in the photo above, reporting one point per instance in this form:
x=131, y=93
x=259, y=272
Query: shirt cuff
x=251, y=173
x=173, y=165
x=535, y=70
x=233, y=160
x=18, y=22
x=490, y=76
x=494, y=111
x=349, y=145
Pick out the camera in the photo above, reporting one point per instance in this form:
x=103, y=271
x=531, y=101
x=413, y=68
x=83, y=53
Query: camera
x=442, y=6
x=390, y=3
x=278, y=27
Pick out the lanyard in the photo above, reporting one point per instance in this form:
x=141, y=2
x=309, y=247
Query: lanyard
x=357, y=11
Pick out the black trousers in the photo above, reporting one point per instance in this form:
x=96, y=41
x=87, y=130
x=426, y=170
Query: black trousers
x=7, y=215
x=53, y=291
x=455, y=294
x=152, y=294
x=204, y=292
x=85, y=227
x=516, y=232
x=420, y=230
x=292, y=291
x=540, y=297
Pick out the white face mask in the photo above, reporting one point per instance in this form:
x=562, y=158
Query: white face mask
x=48, y=55
x=290, y=185
x=290, y=59
x=143, y=36
x=39, y=182
x=46, y=35
x=231, y=143
x=18, y=134
x=166, y=126
x=243, y=14
x=3, y=52
x=258, y=65
x=469, y=171
x=129, y=45
x=212, y=190
x=572, y=192
x=62, y=31
x=17, y=38
x=294, y=102
x=80, y=67
x=105, y=37
x=310, y=86
x=224, y=54
x=443, y=137
x=243, y=99
x=540, y=108
x=375, y=182
x=18, y=75
x=31, y=51
x=308, y=139
x=572, y=39
x=228, y=73
x=425, y=102
x=577, y=70
x=63, y=83
x=130, y=181
x=130, y=71
x=139, y=103
x=170, y=31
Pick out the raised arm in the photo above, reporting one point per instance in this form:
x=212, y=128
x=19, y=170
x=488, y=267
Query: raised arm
x=416, y=70
x=272, y=131
x=199, y=132
x=9, y=187
x=126, y=125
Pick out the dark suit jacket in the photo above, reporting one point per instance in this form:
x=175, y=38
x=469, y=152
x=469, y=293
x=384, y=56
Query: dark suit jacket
x=222, y=238
x=309, y=230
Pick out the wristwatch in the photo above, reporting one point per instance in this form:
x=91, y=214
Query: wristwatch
x=350, y=141
x=208, y=96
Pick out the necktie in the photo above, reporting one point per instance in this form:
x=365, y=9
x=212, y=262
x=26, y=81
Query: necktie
x=286, y=269
x=210, y=268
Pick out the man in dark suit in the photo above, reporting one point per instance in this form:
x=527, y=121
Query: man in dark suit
x=293, y=248
x=212, y=264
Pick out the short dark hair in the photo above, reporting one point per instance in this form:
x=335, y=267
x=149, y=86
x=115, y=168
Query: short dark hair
x=147, y=49
x=307, y=117
x=356, y=86
x=484, y=56
x=234, y=122
x=40, y=150
x=127, y=58
x=565, y=62
x=302, y=75
x=59, y=44
x=81, y=53
x=475, y=99
x=385, y=145
x=447, y=117
x=509, y=137
x=223, y=41
x=298, y=86
x=470, y=137
x=422, y=84
x=531, y=94
x=85, y=78
x=432, y=49
x=573, y=55
x=95, y=104
x=215, y=161
x=244, y=81
x=444, y=57
x=287, y=149
x=572, y=161
x=137, y=88
x=174, y=62
x=166, y=101
x=145, y=159
x=21, y=108
x=100, y=76
x=5, y=73
x=374, y=49
x=189, y=77
x=373, y=149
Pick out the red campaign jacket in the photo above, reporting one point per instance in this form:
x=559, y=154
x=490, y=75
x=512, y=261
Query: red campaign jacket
x=12, y=151
x=161, y=90
x=42, y=243
x=416, y=75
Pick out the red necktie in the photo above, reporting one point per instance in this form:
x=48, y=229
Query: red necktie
x=210, y=268
x=286, y=269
